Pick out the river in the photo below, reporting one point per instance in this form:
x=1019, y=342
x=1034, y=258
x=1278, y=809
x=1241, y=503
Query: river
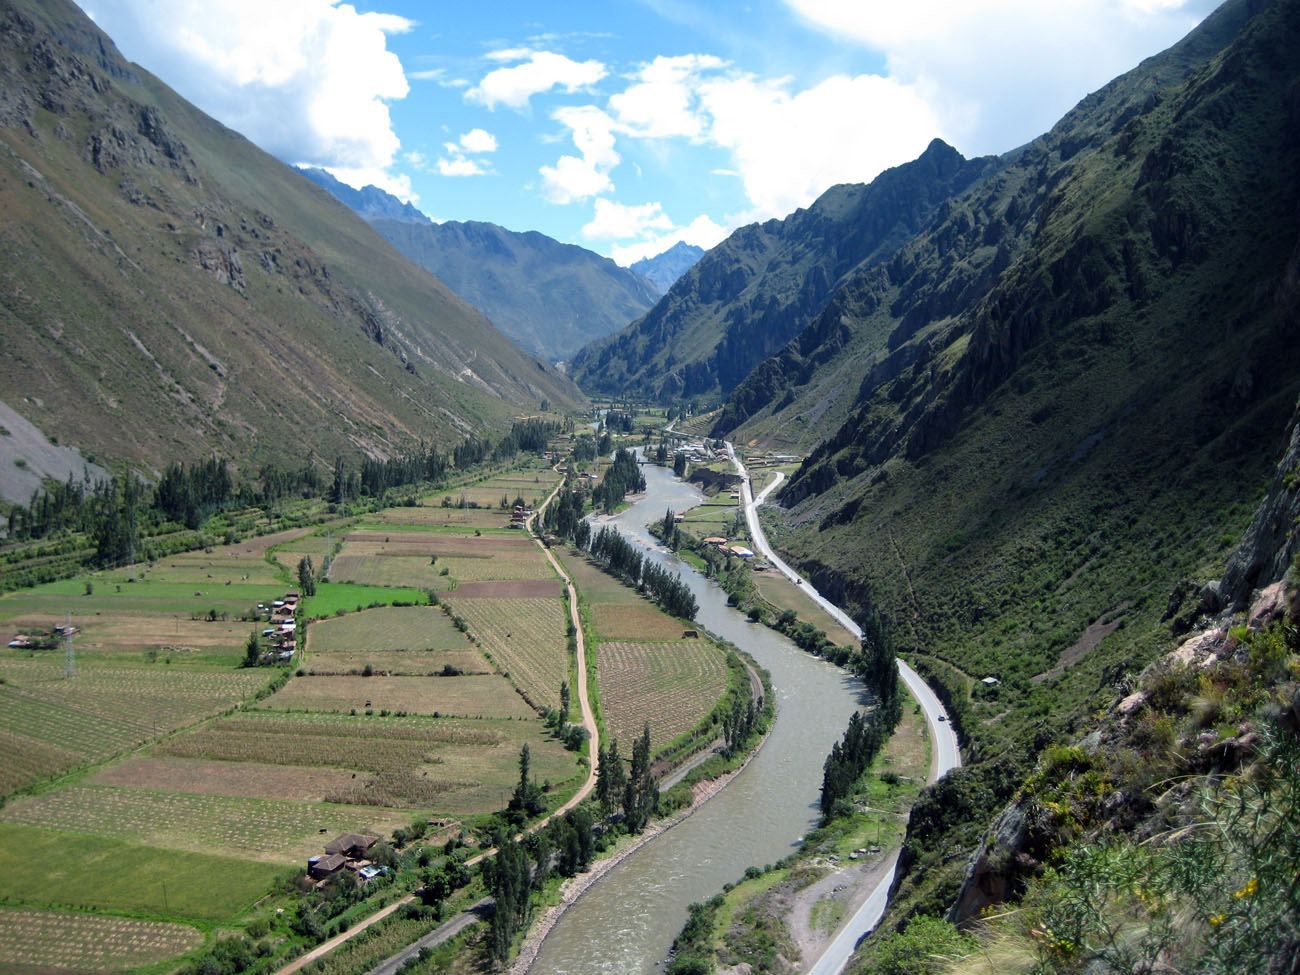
x=627, y=922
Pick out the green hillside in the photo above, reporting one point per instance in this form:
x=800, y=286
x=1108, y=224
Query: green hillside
x=168, y=290
x=761, y=286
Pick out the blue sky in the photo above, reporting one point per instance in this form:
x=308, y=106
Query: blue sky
x=627, y=125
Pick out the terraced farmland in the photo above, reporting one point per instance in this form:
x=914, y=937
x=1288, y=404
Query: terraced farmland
x=525, y=638
x=63, y=941
x=671, y=685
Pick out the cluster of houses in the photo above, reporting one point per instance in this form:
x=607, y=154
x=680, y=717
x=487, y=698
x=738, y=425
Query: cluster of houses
x=720, y=543
x=698, y=452
x=282, y=614
x=519, y=515
x=44, y=640
x=772, y=459
x=350, y=851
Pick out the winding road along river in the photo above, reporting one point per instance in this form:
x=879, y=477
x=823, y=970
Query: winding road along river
x=627, y=923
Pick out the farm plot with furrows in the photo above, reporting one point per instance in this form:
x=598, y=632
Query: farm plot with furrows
x=619, y=612
x=526, y=638
x=54, y=942
x=371, y=570
x=441, y=544
x=130, y=636
x=671, y=685
x=467, y=696
x=397, y=663
x=27, y=760
x=248, y=780
x=437, y=519
x=528, y=563
x=451, y=765
x=256, y=829
x=102, y=711
x=152, y=595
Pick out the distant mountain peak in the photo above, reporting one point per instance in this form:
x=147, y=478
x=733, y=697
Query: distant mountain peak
x=664, y=269
x=369, y=202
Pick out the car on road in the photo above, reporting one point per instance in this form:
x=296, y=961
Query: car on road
x=943, y=717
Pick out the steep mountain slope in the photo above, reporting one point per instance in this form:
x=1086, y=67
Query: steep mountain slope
x=168, y=290
x=761, y=286
x=551, y=298
x=369, y=202
x=664, y=269
x=1086, y=368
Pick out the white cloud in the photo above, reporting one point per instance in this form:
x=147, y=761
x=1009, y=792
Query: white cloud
x=702, y=232
x=399, y=184
x=999, y=72
x=790, y=147
x=542, y=71
x=574, y=178
x=478, y=140
x=307, y=80
x=663, y=101
x=618, y=221
x=428, y=74
x=461, y=166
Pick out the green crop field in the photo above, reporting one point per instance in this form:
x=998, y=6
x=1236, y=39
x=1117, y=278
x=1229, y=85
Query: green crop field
x=369, y=570
x=44, y=867
x=254, y=829
x=526, y=638
x=333, y=596
x=671, y=685
x=63, y=941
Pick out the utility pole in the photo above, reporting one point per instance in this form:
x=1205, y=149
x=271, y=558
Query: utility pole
x=69, y=652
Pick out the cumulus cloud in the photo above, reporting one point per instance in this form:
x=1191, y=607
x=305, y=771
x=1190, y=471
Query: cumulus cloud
x=999, y=72
x=662, y=102
x=703, y=231
x=618, y=221
x=541, y=71
x=478, y=140
x=789, y=147
x=461, y=166
x=574, y=178
x=457, y=161
x=307, y=80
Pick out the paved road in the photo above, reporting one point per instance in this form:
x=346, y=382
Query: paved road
x=945, y=754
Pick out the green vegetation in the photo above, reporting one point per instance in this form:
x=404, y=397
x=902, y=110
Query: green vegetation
x=334, y=598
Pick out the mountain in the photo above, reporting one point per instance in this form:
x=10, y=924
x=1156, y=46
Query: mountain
x=369, y=202
x=168, y=290
x=550, y=298
x=1041, y=422
x=664, y=269
x=747, y=297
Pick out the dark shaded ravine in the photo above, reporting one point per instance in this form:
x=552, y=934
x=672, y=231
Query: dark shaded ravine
x=626, y=923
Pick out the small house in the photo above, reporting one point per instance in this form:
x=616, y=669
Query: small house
x=353, y=846
x=318, y=868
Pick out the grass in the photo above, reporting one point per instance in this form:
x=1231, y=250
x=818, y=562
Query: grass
x=389, y=628
x=782, y=594
x=53, y=868
x=64, y=940
x=331, y=597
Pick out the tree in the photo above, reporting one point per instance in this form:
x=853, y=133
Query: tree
x=253, y=650
x=527, y=799
x=307, y=576
x=679, y=464
x=611, y=779
x=564, y=703
x=640, y=795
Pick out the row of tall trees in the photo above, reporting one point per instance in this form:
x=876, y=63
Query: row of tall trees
x=623, y=478
x=623, y=559
x=633, y=791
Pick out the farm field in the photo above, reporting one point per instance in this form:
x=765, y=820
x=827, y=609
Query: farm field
x=717, y=517
x=387, y=628
x=334, y=596
x=470, y=696
x=318, y=544
x=617, y=611
x=247, y=780
x=368, y=570
x=525, y=638
x=45, y=940
x=671, y=685
x=45, y=867
x=51, y=724
x=435, y=518
x=449, y=765
x=126, y=638
x=270, y=831
x=783, y=594
x=397, y=663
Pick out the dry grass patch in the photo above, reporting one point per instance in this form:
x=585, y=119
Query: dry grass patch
x=130, y=634
x=247, y=780
x=398, y=663
x=56, y=941
x=369, y=570
x=512, y=589
x=783, y=594
x=525, y=638
x=473, y=695
x=671, y=685
x=386, y=628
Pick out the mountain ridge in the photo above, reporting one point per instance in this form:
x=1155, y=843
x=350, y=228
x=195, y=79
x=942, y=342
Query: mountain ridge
x=663, y=270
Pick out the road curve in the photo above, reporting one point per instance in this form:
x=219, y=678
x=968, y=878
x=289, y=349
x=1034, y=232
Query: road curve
x=945, y=754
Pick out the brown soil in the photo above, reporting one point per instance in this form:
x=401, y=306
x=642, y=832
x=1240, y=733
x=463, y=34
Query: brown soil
x=249, y=780
x=508, y=589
